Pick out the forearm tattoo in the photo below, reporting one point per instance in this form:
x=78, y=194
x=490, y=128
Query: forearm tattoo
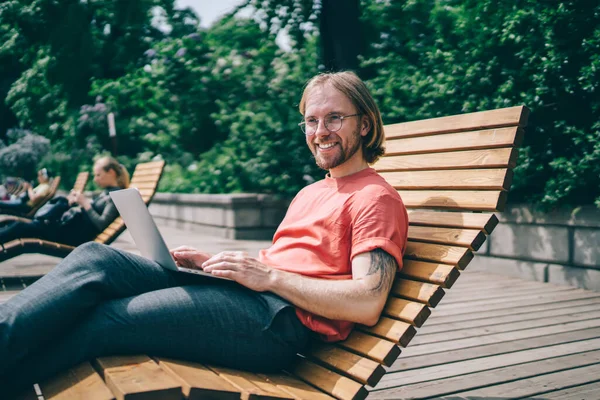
x=384, y=266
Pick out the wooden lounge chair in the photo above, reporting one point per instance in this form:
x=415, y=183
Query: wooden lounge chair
x=145, y=177
x=452, y=173
x=80, y=183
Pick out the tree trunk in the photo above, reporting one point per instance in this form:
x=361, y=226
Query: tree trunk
x=341, y=39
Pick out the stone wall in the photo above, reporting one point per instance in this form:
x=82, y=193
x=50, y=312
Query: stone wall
x=232, y=216
x=561, y=247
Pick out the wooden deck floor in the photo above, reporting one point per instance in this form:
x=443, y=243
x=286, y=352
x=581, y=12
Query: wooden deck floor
x=491, y=337
x=495, y=337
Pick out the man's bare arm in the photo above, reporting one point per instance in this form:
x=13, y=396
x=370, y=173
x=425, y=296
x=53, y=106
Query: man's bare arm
x=358, y=300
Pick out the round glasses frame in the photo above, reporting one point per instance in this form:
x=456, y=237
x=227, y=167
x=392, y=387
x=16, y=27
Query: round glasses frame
x=310, y=130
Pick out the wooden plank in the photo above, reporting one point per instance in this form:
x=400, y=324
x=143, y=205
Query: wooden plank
x=79, y=382
x=495, y=379
x=539, y=385
x=499, y=328
x=476, y=179
x=131, y=376
x=295, y=387
x=399, y=332
x=433, y=348
x=439, y=274
x=453, y=255
x=492, y=294
x=149, y=165
x=514, y=301
x=146, y=172
x=472, y=200
x=145, y=185
x=377, y=349
x=471, y=238
x=491, y=158
x=253, y=386
x=425, y=376
x=464, y=141
x=329, y=381
x=503, y=308
x=199, y=382
x=579, y=392
x=422, y=292
x=511, y=116
x=408, y=311
x=471, y=353
x=358, y=368
x=495, y=312
x=506, y=319
x=482, y=221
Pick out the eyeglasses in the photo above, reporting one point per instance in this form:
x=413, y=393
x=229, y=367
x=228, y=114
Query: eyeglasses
x=333, y=123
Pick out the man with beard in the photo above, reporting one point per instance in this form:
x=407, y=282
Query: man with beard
x=331, y=265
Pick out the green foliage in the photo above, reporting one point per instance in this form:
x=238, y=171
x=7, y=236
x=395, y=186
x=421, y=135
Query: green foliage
x=219, y=104
x=431, y=58
x=22, y=153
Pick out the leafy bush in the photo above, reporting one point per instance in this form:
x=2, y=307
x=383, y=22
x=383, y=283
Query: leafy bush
x=23, y=153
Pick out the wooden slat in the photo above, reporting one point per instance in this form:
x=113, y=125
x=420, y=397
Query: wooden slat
x=359, y=368
x=131, y=376
x=453, y=255
x=146, y=172
x=150, y=165
x=408, y=311
x=472, y=200
x=399, y=332
x=534, y=386
x=493, y=370
x=439, y=274
x=145, y=179
x=198, y=381
x=330, y=382
x=482, y=221
x=476, y=179
x=457, y=355
x=145, y=185
x=471, y=238
x=469, y=159
x=477, y=140
x=511, y=116
x=80, y=382
x=297, y=388
x=252, y=385
x=377, y=349
x=422, y=292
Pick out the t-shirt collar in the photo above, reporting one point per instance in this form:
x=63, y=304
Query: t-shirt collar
x=339, y=182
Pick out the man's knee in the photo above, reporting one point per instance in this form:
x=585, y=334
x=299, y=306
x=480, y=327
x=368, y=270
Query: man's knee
x=91, y=255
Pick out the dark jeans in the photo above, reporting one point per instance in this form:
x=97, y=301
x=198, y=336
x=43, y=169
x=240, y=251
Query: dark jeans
x=74, y=234
x=13, y=207
x=19, y=229
x=101, y=301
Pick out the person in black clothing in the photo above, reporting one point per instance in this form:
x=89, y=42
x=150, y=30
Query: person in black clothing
x=84, y=218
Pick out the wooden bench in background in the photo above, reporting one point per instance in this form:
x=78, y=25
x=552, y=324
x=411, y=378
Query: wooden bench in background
x=453, y=173
x=145, y=178
x=79, y=186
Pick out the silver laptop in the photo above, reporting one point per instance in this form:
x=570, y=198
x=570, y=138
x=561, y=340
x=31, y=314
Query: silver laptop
x=144, y=231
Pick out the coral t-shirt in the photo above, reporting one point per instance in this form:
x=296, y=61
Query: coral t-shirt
x=330, y=222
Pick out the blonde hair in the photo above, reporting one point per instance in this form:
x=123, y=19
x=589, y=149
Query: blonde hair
x=357, y=92
x=108, y=163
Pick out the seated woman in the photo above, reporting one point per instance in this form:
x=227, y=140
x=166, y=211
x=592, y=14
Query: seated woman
x=85, y=218
x=32, y=196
